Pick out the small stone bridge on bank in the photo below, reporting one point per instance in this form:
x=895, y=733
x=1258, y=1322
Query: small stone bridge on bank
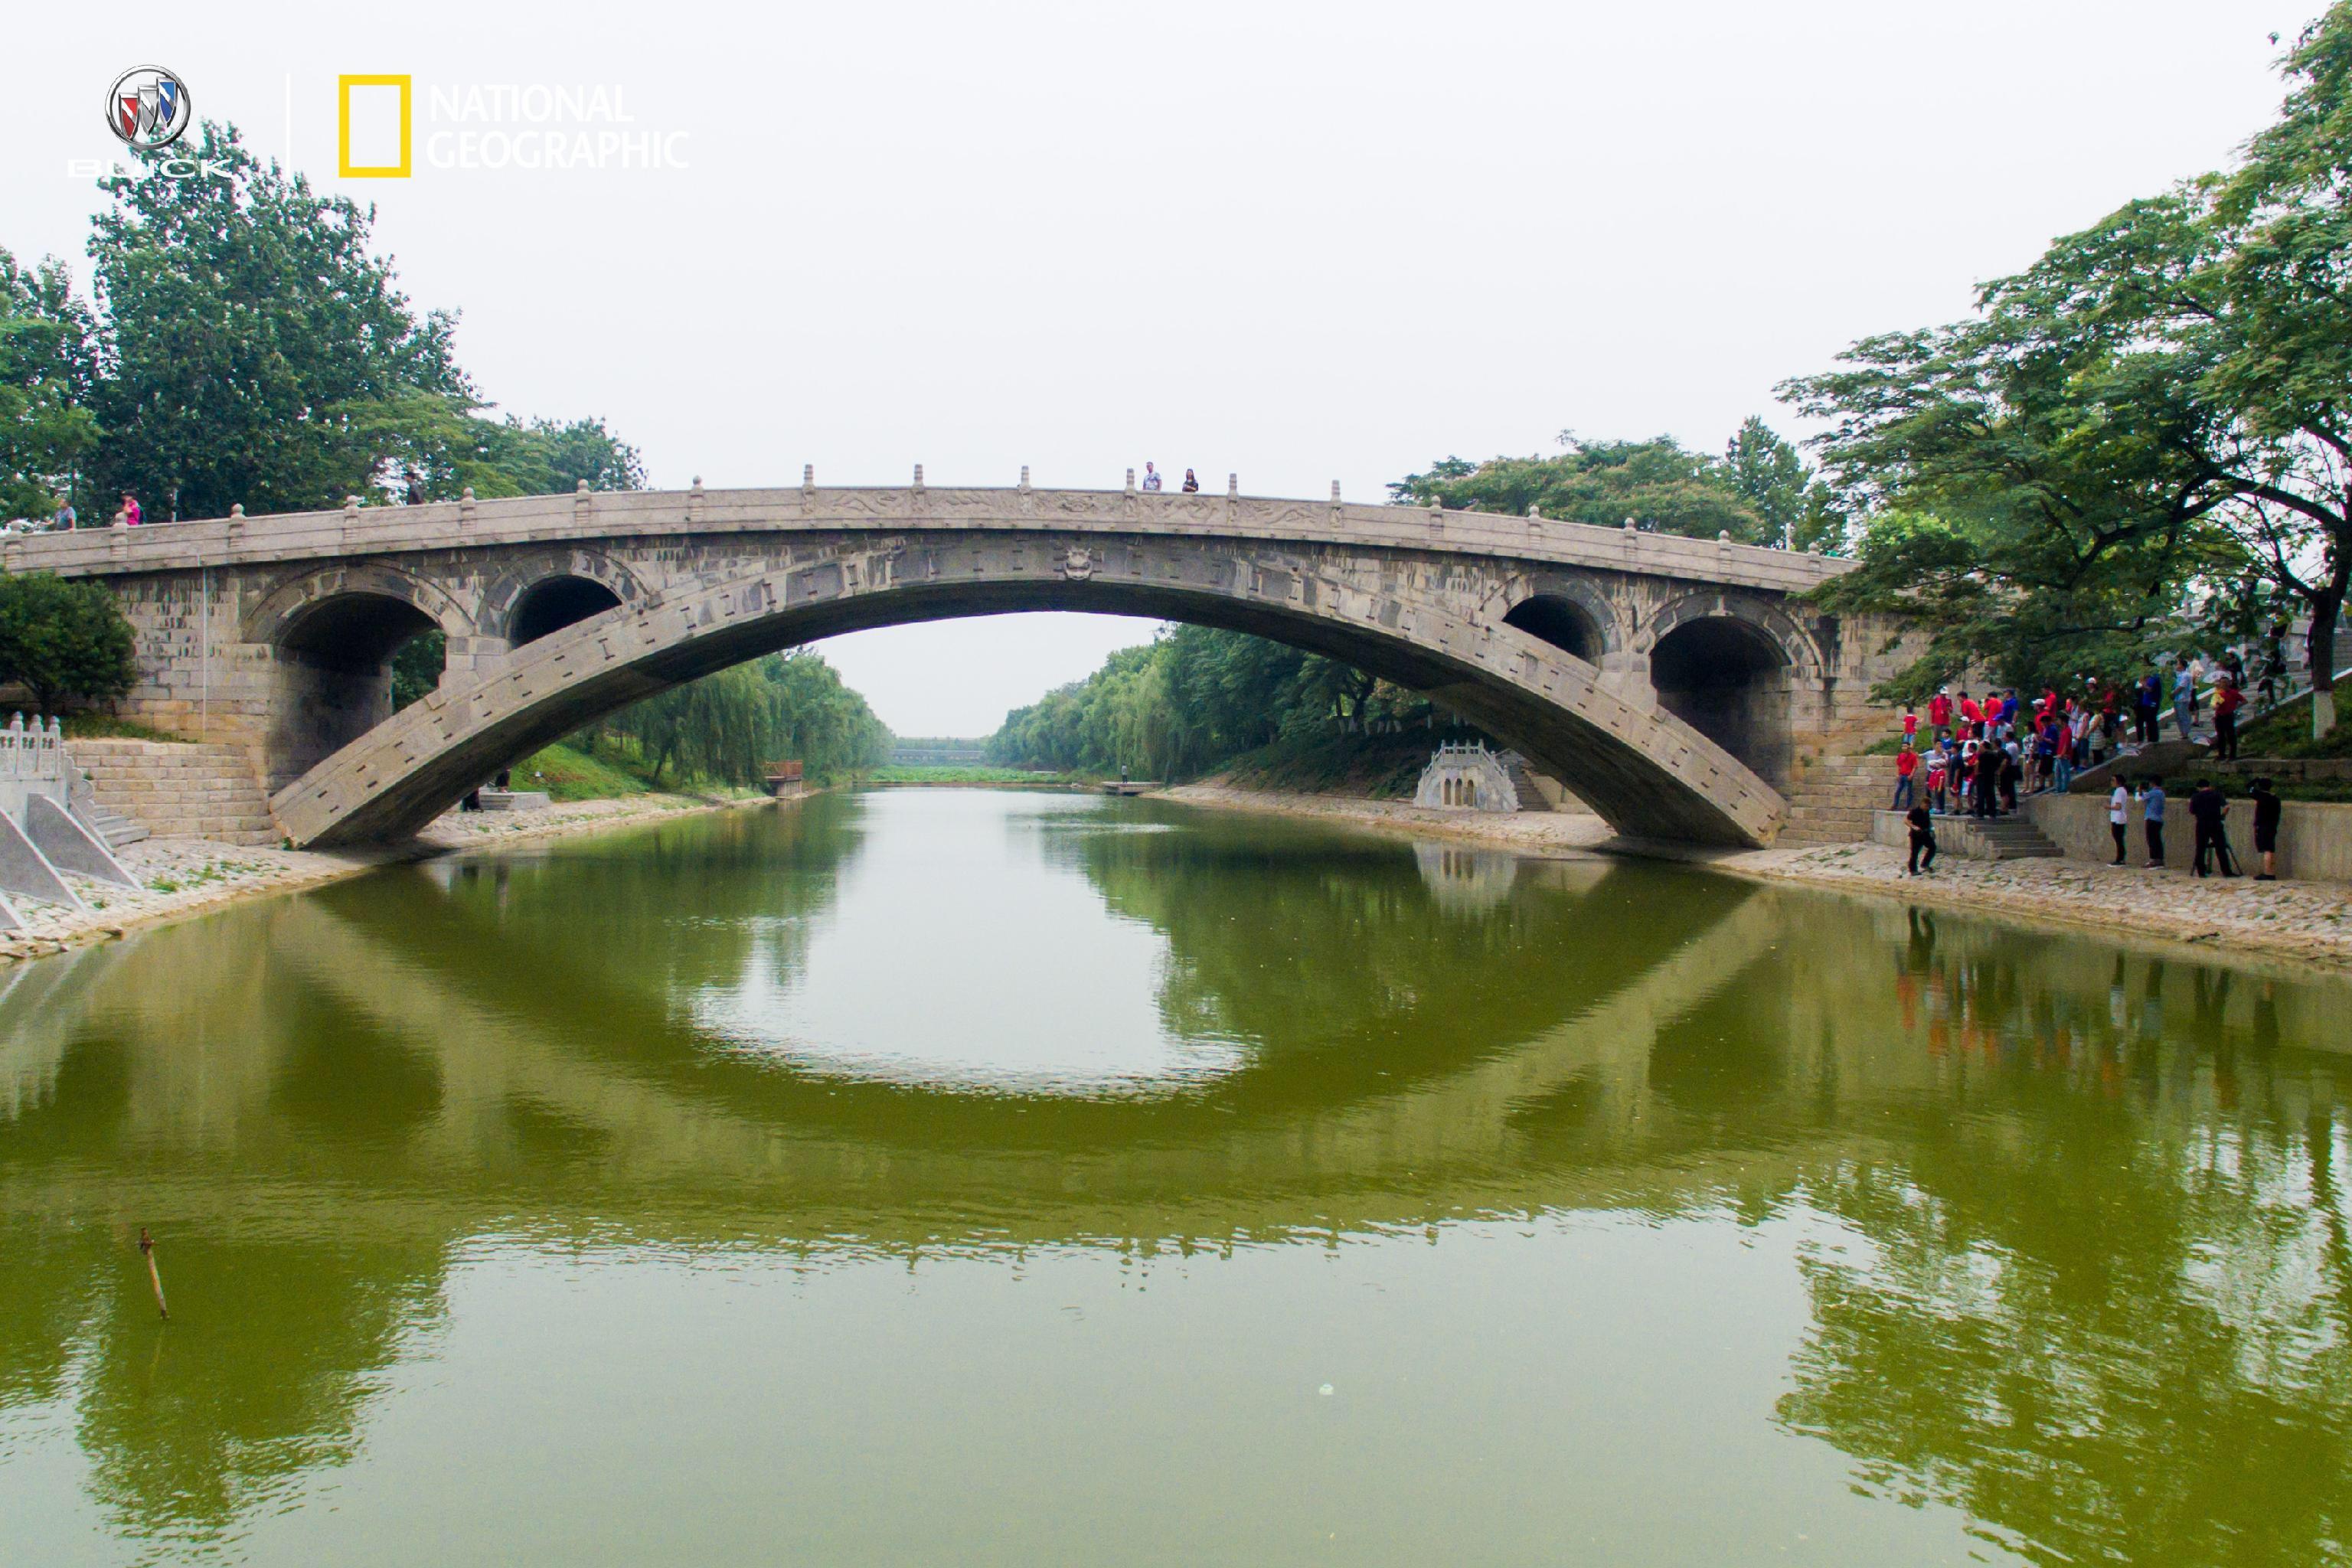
x=1674, y=684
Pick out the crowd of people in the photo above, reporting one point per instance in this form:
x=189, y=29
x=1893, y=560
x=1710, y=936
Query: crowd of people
x=1977, y=755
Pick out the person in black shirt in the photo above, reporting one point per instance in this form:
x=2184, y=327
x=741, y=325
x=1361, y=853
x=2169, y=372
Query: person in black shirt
x=1923, y=842
x=2207, y=807
x=2266, y=826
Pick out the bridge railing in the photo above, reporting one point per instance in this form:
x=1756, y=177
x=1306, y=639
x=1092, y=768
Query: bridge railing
x=354, y=531
x=34, y=755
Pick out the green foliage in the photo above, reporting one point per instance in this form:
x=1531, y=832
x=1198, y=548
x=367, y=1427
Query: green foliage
x=2288, y=733
x=728, y=727
x=1193, y=701
x=2155, y=413
x=1759, y=493
x=250, y=339
x=249, y=347
x=106, y=727
x=65, y=640
x=416, y=667
x=567, y=773
x=45, y=432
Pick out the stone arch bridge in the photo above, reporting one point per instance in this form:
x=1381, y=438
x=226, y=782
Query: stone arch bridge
x=1672, y=683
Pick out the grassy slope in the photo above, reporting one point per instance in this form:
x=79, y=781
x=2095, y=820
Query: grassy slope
x=2287, y=732
x=1380, y=767
x=105, y=727
x=566, y=773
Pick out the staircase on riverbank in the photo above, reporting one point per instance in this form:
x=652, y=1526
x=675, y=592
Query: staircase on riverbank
x=1972, y=838
x=181, y=790
x=1833, y=796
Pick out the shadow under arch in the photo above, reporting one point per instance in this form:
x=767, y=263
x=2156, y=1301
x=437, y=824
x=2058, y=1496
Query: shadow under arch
x=1647, y=771
x=552, y=604
x=1732, y=682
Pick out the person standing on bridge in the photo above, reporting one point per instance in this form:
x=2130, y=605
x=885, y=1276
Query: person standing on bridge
x=131, y=516
x=1151, y=479
x=1191, y=485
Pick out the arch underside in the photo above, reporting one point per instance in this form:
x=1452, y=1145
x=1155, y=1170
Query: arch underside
x=1645, y=772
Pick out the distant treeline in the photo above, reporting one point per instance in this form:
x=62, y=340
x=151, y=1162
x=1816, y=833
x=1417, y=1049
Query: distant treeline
x=728, y=727
x=1195, y=699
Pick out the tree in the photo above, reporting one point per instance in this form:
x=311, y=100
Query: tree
x=728, y=726
x=1657, y=483
x=2033, y=506
x=45, y=429
x=2160, y=406
x=250, y=344
x=65, y=640
x=1769, y=475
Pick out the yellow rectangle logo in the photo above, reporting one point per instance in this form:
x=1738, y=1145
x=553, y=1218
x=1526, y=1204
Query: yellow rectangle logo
x=372, y=145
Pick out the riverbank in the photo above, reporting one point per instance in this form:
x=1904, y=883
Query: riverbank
x=2310, y=921
x=183, y=877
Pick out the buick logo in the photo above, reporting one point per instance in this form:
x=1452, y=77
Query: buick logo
x=148, y=106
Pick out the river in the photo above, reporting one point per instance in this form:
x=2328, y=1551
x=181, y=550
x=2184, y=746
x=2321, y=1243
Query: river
x=974, y=1177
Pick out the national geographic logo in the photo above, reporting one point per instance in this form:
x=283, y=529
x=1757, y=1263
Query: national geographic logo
x=495, y=126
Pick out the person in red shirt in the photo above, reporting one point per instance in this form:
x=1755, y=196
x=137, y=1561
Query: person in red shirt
x=1907, y=763
x=1910, y=729
x=131, y=516
x=1971, y=717
x=2227, y=700
x=1939, y=714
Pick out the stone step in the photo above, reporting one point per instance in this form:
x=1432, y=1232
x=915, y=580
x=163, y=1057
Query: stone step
x=177, y=791
x=1969, y=837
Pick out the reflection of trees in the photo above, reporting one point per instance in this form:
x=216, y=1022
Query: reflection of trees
x=259, y=1379
x=2106, y=1307
x=1330, y=955
x=2098, y=1297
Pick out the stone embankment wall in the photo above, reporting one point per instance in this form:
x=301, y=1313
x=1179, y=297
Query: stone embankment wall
x=180, y=789
x=2315, y=837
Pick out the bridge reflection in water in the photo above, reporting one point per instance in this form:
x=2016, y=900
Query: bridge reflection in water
x=2069, y=1252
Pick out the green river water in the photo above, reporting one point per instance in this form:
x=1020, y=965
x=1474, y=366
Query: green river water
x=976, y=1177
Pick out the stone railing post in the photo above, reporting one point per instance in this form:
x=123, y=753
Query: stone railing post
x=466, y=508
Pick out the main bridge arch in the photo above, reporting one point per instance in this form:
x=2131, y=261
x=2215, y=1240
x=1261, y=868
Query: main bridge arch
x=1646, y=770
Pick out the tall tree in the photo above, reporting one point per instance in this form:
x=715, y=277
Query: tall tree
x=250, y=342
x=2161, y=406
x=1661, y=485
x=47, y=430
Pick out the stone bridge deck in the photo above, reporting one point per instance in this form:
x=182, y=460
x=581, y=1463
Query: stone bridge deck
x=1669, y=681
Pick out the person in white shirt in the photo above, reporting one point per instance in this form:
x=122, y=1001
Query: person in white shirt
x=1150, y=478
x=2118, y=811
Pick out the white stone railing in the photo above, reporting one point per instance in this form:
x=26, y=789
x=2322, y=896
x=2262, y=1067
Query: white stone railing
x=1468, y=776
x=33, y=762
x=33, y=755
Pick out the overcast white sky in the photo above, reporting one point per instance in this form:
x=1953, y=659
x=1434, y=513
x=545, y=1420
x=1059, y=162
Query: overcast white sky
x=1299, y=242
